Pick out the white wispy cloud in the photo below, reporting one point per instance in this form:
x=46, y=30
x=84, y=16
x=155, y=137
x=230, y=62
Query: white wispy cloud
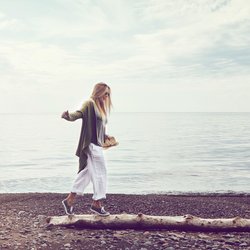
x=7, y=23
x=61, y=43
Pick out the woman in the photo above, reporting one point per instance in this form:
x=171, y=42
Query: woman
x=92, y=166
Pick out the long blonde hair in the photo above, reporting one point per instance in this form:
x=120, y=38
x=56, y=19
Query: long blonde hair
x=98, y=93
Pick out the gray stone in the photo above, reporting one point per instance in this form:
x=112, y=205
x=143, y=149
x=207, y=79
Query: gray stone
x=174, y=238
x=244, y=244
x=36, y=224
x=21, y=213
x=227, y=236
x=117, y=235
x=203, y=236
x=161, y=240
x=41, y=217
x=230, y=242
x=3, y=238
x=159, y=235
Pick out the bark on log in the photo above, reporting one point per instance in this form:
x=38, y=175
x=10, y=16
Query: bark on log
x=141, y=221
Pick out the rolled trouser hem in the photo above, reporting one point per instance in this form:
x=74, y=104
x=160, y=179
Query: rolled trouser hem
x=77, y=192
x=99, y=198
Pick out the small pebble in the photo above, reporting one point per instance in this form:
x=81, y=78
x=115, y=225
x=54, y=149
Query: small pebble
x=20, y=213
x=244, y=244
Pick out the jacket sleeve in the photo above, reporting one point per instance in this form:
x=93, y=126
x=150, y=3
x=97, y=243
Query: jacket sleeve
x=78, y=113
x=74, y=116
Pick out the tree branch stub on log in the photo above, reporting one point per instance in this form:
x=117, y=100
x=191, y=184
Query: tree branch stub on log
x=141, y=221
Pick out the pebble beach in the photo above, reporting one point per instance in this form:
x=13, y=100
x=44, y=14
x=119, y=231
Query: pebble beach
x=23, y=222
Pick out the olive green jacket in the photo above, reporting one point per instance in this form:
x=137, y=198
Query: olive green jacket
x=88, y=131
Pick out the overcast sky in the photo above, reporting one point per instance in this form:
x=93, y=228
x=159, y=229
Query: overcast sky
x=161, y=55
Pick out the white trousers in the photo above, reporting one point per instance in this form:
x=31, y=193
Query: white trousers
x=95, y=171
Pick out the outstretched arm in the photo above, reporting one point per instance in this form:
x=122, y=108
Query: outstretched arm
x=71, y=116
x=77, y=114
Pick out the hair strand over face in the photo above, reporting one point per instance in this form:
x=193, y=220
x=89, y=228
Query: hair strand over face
x=103, y=103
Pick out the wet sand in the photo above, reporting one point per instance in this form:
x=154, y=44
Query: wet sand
x=23, y=222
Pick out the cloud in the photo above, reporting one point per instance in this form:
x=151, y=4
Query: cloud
x=200, y=29
x=53, y=46
x=8, y=23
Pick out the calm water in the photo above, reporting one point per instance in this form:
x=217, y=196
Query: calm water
x=158, y=152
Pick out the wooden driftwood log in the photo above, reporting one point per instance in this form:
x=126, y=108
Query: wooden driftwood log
x=141, y=221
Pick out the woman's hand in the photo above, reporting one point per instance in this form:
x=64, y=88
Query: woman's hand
x=110, y=141
x=65, y=115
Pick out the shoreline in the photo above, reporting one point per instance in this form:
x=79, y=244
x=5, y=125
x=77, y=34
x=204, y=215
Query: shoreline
x=23, y=222
x=143, y=193
x=174, y=193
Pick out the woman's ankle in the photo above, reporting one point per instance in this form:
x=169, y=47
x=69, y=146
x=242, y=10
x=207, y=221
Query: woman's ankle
x=96, y=203
x=70, y=202
x=71, y=198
